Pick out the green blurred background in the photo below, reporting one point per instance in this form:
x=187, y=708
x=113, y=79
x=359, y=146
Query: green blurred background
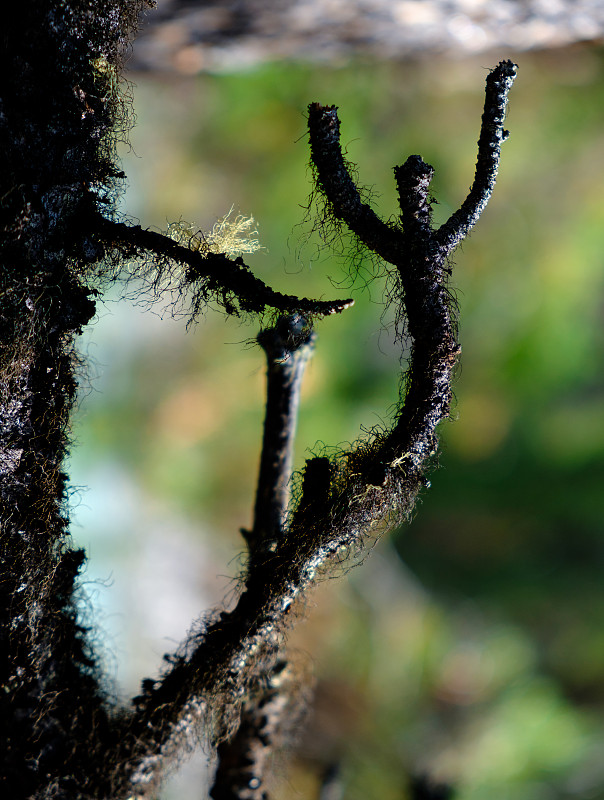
x=470, y=645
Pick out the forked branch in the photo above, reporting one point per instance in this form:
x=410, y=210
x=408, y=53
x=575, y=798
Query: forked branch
x=343, y=501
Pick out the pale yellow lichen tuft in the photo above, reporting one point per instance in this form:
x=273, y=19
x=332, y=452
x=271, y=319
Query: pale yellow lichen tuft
x=231, y=236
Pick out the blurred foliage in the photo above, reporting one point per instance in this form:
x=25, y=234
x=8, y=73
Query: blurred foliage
x=470, y=647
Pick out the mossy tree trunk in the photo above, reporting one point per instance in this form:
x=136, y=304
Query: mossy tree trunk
x=59, y=108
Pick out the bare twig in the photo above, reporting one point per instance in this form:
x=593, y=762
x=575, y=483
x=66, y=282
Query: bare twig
x=288, y=346
x=334, y=180
x=492, y=134
x=413, y=182
x=419, y=256
x=228, y=280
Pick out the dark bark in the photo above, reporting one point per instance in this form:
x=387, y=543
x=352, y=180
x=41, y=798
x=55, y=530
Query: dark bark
x=59, y=108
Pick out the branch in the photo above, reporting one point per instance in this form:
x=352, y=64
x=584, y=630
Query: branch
x=288, y=346
x=244, y=760
x=413, y=182
x=343, y=502
x=492, y=134
x=228, y=280
x=334, y=180
x=431, y=324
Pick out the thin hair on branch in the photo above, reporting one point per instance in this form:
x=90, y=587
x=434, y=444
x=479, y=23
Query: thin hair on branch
x=208, y=275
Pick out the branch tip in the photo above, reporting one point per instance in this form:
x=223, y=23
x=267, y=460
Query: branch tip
x=413, y=180
x=333, y=179
x=492, y=134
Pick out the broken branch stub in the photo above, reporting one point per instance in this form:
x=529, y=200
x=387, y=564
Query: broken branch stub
x=288, y=345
